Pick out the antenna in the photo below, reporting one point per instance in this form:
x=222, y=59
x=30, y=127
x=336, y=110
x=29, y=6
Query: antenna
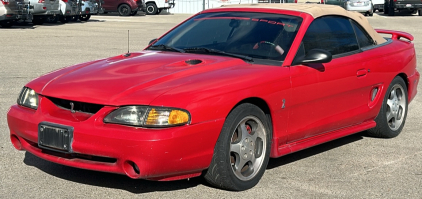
x=127, y=54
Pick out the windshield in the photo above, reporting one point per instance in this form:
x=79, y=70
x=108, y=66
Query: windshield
x=254, y=35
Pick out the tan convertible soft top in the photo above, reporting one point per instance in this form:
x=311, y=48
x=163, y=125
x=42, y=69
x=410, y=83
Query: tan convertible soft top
x=318, y=10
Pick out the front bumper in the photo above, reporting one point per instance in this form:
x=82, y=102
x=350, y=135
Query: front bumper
x=160, y=154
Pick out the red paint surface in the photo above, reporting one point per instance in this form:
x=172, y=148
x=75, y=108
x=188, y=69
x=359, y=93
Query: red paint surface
x=322, y=103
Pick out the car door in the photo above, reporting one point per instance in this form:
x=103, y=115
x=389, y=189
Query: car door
x=327, y=97
x=110, y=5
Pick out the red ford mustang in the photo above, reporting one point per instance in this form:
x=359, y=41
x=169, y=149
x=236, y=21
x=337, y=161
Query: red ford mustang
x=220, y=94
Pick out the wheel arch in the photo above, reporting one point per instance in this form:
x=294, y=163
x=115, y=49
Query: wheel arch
x=261, y=104
x=405, y=79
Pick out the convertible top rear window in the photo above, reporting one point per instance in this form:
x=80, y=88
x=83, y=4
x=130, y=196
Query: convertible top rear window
x=256, y=35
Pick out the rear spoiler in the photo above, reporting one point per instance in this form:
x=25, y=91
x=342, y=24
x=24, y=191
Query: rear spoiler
x=396, y=35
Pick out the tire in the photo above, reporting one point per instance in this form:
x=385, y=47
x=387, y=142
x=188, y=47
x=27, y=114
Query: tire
x=420, y=12
x=124, y=10
x=6, y=24
x=63, y=19
x=151, y=9
x=52, y=19
x=159, y=11
x=36, y=20
x=381, y=10
x=392, y=116
x=84, y=17
x=241, y=155
x=134, y=13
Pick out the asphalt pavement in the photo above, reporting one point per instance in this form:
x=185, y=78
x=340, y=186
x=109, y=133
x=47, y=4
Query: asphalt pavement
x=352, y=167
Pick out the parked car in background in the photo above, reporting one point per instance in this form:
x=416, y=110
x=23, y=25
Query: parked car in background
x=123, y=7
x=363, y=6
x=341, y=3
x=410, y=6
x=88, y=8
x=156, y=6
x=378, y=5
x=8, y=13
x=68, y=10
x=42, y=9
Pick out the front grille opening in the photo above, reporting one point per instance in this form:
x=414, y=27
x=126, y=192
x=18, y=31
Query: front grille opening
x=80, y=156
x=77, y=106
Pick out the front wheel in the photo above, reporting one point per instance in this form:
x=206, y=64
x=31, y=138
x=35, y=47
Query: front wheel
x=392, y=116
x=6, y=24
x=242, y=151
x=37, y=20
x=124, y=10
x=151, y=9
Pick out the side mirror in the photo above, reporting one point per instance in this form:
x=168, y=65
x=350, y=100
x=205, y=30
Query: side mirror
x=152, y=41
x=317, y=56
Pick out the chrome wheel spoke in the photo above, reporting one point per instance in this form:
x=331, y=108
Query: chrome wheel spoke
x=390, y=116
x=235, y=148
x=390, y=103
x=247, y=148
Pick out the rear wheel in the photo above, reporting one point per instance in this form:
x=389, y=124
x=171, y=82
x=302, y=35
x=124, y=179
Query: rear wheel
x=124, y=10
x=151, y=9
x=392, y=116
x=6, y=24
x=37, y=20
x=52, y=19
x=420, y=12
x=242, y=151
x=84, y=17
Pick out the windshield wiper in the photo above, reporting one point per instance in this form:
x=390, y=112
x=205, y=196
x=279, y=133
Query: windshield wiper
x=165, y=47
x=219, y=52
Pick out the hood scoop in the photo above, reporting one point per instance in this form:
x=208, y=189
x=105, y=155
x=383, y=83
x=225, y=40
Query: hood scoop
x=193, y=61
x=188, y=62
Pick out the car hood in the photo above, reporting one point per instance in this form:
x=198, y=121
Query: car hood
x=113, y=81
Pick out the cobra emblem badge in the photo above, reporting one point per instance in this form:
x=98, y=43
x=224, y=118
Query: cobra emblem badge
x=72, y=106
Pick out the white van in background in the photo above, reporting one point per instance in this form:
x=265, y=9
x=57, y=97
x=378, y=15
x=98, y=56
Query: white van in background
x=156, y=6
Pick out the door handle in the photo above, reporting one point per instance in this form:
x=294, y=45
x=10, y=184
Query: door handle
x=362, y=73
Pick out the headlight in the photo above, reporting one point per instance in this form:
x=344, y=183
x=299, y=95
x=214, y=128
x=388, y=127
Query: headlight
x=28, y=98
x=148, y=116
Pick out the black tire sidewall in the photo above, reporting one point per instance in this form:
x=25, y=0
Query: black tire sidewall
x=120, y=10
x=381, y=119
x=223, y=145
x=154, y=9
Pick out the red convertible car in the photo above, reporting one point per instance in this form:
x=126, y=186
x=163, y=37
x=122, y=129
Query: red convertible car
x=220, y=94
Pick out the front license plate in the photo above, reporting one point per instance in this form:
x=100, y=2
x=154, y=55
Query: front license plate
x=408, y=5
x=55, y=137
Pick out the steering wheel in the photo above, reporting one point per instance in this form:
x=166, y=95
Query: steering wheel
x=276, y=47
